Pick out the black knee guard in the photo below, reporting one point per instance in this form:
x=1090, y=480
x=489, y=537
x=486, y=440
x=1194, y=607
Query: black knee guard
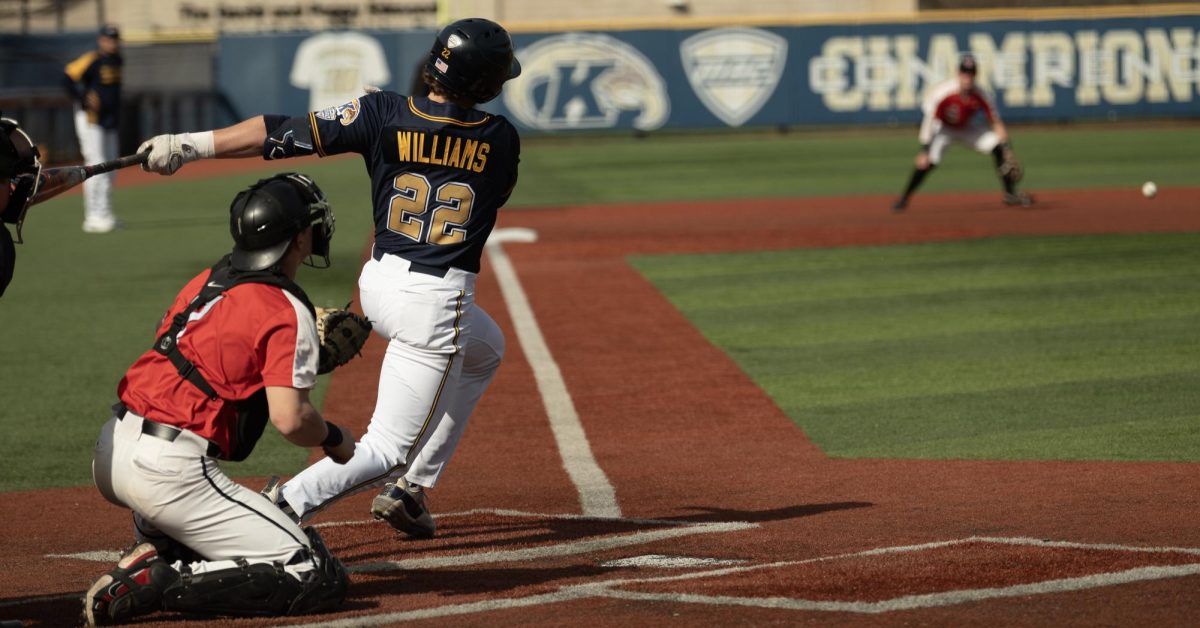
x=258, y=590
x=261, y=589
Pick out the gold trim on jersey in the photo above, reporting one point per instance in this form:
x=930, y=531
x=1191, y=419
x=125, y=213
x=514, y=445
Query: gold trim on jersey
x=312, y=122
x=413, y=108
x=77, y=68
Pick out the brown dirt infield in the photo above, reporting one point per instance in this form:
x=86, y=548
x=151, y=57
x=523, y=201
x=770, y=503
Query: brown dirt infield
x=705, y=466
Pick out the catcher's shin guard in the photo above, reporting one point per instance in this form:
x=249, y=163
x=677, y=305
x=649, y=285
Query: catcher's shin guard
x=261, y=589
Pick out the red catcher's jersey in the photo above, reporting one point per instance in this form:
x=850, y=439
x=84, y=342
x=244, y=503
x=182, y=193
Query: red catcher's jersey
x=251, y=336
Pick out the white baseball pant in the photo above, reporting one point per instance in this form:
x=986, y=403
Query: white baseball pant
x=177, y=490
x=443, y=351
x=96, y=144
x=978, y=136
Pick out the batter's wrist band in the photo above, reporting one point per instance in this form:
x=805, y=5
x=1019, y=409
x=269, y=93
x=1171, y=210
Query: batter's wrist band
x=334, y=437
x=205, y=143
x=924, y=148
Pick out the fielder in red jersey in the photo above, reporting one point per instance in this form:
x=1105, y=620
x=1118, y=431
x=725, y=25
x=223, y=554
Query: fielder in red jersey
x=958, y=111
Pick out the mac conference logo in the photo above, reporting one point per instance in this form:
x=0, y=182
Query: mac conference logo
x=586, y=81
x=734, y=70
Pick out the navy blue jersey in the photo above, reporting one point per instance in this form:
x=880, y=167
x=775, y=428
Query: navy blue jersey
x=99, y=73
x=439, y=172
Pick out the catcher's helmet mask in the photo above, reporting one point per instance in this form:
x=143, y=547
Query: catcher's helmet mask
x=21, y=167
x=473, y=57
x=267, y=216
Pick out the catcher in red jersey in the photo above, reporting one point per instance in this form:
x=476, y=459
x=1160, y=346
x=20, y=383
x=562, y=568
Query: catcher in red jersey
x=952, y=113
x=236, y=349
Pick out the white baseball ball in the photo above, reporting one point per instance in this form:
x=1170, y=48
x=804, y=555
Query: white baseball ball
x=1149, y=189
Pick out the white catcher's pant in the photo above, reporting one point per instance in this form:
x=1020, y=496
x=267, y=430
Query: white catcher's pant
x=174, y=489
x=443, y=351
x=96, y=144
x=979, y=137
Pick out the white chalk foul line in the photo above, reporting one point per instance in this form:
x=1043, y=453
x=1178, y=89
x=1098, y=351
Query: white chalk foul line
x=928, y=600
x=596, y=494
x=1020, y=540
x=551, y=551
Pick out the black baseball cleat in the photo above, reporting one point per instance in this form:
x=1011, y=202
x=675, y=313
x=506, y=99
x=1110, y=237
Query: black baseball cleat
x=403, y=506
x=133, y=588
x=901, y=204
x=1019, y=199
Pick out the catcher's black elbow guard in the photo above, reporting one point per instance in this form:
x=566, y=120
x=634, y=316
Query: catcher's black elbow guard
x=287, y=137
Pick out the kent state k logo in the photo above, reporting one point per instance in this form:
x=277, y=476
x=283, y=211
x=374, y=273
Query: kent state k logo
x=586, y=81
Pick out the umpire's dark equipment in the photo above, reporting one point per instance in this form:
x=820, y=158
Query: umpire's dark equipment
x=19, y=171
x=266, y=216
x=473, y=57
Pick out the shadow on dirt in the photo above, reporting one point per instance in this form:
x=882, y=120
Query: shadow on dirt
x=496, y=533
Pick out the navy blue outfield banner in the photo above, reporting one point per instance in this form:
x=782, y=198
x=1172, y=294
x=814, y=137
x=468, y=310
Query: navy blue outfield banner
x=1037, y=70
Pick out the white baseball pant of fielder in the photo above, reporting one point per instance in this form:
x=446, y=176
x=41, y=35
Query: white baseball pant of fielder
x=978, y=136
x=96, y=144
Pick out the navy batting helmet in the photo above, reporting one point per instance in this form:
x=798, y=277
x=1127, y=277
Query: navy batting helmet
x=473, y=57
x=265, y=217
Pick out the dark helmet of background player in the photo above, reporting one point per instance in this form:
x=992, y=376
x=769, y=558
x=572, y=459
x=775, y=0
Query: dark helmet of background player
x=265, y=217
x=967, y=65
x=473, y=57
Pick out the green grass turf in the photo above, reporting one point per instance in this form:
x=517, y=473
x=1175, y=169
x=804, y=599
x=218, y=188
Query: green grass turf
x=83, y=307
x=1078, y=347
x=827, y=163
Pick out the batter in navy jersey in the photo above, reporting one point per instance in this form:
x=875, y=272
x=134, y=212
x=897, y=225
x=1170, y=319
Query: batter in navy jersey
x=440, y=170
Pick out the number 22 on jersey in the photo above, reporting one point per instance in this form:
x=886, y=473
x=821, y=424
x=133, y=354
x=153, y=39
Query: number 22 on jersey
x=445, y=212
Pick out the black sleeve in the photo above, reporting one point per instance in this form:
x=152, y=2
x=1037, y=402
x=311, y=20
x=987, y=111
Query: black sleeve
x=515, y=142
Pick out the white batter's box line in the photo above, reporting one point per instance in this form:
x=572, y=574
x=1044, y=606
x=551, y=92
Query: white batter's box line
x=927, y=600
x=557, y=550
x=606, y=588
x=898, y=549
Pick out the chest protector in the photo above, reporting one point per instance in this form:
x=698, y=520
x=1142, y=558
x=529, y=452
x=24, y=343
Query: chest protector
x=252, y=411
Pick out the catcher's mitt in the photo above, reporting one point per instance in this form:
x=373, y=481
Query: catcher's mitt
x=1011, y=168
x=342, y=334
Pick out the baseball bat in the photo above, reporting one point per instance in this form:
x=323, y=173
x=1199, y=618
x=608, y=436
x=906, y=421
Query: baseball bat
x=55, y=181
